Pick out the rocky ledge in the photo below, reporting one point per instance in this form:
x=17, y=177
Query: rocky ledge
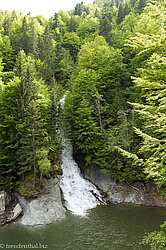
x=138, y=193
x=46, y=208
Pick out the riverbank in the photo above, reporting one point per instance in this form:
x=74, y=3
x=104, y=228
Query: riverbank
x=44, y=209
x=48, y=207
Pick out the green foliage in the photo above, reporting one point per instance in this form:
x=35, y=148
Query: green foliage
x=43, y=161
x=66, y=67
x=156, y=239
x=153, y=114
x=6, y=53
x=88, y=29
x=90, y=105
x=115, y=121
x=106, y=61
x=24, y=136
x=105, y=26
x=71, y=41
x=150, y=104
x=29, y=110
x=82, y=115
x=78, y=9
x=7, y=134
x=53, y=122
x=121, y=14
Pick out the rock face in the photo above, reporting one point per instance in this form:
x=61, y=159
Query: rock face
x=137, y=193
x=45, y=209
x=2, y=202
x=10, y=209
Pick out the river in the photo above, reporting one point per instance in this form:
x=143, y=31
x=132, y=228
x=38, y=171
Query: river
x=114, y=227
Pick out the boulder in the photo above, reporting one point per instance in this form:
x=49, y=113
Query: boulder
x=46, y=208
x=16, y=211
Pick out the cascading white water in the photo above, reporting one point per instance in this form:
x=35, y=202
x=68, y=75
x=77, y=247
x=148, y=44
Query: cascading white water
x=80, y=194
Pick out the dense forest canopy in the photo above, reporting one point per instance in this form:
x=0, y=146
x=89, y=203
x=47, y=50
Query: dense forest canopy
x=110, y=57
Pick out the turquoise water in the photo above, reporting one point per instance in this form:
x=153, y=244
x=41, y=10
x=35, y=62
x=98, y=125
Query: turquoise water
x=114, y=227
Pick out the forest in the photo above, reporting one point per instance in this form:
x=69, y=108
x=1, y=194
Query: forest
x=109, y=57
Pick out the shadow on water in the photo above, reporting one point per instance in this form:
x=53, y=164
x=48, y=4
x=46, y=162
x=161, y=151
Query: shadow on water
x=115, y=227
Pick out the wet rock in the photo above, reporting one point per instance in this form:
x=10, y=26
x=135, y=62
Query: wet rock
x=138, y=193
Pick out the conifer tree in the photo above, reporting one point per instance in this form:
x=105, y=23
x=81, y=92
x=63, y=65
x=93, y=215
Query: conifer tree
x=33, y=38
x=150, y=103
x=54, y=122
x=126, y=9
x=8, y=142
x=24, y=36
x=79, y=9
x=72, y=25
x=121, y=14
x=24, y=102
x=105, y=26
x=47, y=55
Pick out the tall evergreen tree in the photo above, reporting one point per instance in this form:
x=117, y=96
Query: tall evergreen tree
x=141, y=5
x=33, y=38
x=24, y=102
x=121, y=14
x=105, y=26
x=8, y=132
x=54, y=113
x=47, y=54
x=72, y=25
x=150, y=104
x=79, y=9
x=24, y=35
x=126, y=9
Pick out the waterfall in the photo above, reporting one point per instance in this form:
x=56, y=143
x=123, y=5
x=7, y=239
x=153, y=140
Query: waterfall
x=79, y=194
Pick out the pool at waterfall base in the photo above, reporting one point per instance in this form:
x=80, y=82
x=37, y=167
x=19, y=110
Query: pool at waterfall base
x=113, y=227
